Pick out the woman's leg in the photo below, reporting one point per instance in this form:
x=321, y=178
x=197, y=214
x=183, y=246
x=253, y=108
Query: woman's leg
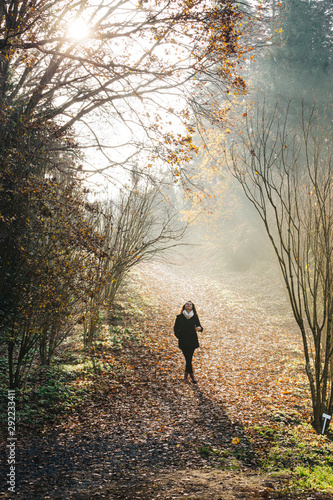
x=188, y=355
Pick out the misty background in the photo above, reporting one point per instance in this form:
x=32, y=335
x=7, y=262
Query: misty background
x=292, y=66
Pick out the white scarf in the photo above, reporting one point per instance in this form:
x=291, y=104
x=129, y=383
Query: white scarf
x=188, y=315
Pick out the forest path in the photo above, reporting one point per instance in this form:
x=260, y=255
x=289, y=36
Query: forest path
x=246, y=351
x=149, y=435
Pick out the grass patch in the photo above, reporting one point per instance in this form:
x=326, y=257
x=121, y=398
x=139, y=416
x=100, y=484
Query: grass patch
x=319, y=478
x=206, y=451
x=298, y=451
x=219, y=458
x=238, y=453
x=299, y=445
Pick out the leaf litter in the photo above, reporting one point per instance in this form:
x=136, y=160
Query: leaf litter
x=146, y=434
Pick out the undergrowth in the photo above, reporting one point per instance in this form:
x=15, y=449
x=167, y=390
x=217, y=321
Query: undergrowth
x=52, y=392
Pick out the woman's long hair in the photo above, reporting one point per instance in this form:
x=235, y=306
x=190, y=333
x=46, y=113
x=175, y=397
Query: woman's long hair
x=193, y=307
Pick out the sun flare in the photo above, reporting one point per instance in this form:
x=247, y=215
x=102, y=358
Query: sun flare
x=78, y=30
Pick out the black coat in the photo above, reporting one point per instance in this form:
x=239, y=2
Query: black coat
x=185, y=331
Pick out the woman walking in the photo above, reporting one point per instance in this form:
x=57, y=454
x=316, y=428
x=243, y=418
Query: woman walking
x=187, y=325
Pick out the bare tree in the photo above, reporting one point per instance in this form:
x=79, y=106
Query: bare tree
x=285, y=167
x=145, y=225
x=140, y=225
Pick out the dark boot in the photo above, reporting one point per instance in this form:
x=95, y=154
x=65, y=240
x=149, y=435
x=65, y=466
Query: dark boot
x=194, y=380
x=185, y=376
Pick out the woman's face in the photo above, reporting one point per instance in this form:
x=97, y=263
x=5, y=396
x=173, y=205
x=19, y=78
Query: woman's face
x=188, y=306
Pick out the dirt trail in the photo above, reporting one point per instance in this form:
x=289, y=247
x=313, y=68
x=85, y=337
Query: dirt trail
x=243, y=347
x=150, y=436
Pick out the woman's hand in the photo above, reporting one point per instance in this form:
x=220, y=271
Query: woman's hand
x=198, y=328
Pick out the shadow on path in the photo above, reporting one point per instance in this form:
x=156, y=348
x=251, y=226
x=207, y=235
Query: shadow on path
x=156, y=422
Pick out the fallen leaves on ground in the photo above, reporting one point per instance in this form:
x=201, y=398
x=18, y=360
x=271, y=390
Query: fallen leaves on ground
x=142, y=423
